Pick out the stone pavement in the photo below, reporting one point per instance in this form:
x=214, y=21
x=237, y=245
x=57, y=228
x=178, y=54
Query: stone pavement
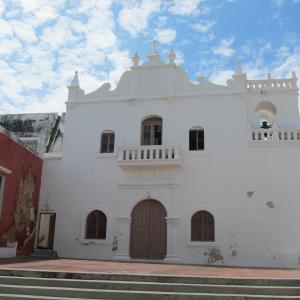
x=96, y=266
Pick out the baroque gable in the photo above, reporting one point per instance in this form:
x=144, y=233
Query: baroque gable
x=153, y=79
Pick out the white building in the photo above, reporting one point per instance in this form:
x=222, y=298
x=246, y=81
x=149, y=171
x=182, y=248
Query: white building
x=165, y=169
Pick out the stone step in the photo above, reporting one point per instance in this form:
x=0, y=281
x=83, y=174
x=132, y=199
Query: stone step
x=31, y=297
x=44, y=253
x=76, y=293
x=151, y=278
x=150, y=286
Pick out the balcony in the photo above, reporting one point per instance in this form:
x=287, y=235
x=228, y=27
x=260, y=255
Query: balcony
x=157, y=155
x=274, y=136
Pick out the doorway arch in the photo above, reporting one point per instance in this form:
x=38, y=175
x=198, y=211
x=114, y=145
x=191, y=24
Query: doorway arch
x=148, y=235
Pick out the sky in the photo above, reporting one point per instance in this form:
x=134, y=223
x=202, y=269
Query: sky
x=43, y=42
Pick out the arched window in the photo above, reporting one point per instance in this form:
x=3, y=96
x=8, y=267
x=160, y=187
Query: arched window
x=152, y=131
x=196, y=139
x=96, y=225
x=107, y=142
x=202, y=227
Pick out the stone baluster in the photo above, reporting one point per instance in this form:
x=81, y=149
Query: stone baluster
x=127, y=155
x=176, y=155
x=293, y=80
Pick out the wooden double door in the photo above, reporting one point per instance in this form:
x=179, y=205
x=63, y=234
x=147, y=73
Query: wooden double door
x=148, y=238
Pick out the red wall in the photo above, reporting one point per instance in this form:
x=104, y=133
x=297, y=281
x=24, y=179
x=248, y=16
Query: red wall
x=21, y=194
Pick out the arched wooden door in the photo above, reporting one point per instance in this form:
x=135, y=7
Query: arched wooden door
x=148, y=238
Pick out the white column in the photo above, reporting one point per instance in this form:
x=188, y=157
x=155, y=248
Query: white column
x=123, y=238
x=172, y=254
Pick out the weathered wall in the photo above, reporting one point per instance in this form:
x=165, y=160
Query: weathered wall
x=251, y=188
x=21, y=194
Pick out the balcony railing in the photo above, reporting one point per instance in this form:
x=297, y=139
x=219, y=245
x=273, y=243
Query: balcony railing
x=275, y=135
x=149, y=155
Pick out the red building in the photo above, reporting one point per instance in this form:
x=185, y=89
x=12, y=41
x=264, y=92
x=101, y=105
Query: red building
x=20, y=179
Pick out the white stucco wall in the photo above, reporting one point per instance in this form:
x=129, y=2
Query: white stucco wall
x=250, y=188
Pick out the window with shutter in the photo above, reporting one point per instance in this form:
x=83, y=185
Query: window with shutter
x=96, y=225
x=152, y=131
x=196, y=139
x=202, y=227
x=107, y=142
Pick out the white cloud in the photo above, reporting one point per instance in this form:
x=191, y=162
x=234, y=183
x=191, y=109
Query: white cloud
x=203, y=26
x=281, y=2
x=44, y=41
x=39, y=58
x=2, y=8
x=258, y=70
x=134, y=18
x=9, y=46
x=287, y=65
x=121, y=62
x=165, y=36
x=24, y=31
x=5, y=28
x=179, y=57
x=221, y=76
x=224, y=49
x=184, y=7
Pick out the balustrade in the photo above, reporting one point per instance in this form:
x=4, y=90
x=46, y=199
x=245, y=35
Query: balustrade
x=271, y=84
x=275, y=134
x=149, y=154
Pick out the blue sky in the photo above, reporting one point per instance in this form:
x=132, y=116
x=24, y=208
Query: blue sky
x=42, y=42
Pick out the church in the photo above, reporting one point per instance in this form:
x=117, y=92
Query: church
x=165, y=169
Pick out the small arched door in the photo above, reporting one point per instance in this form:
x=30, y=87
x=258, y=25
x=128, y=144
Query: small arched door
x=148, y=238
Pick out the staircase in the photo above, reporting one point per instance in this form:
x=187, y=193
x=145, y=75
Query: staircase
x=42, y=285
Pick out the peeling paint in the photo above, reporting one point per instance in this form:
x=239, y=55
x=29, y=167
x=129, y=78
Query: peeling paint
x=274, y=257
x=270, y=204
x=24, y=213
x=250, y=194
x=233, y=253
x=115, y=244
x=25, y=216
x=215, y=255
x=298, y=260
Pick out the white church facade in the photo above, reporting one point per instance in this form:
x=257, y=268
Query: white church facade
x=163, y=169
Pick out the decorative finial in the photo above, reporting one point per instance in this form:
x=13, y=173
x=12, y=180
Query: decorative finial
x=75, y=81
x=294, y=74
x=238, y=69
x=136, y=60
x=269, y=76
x=154, y=44
x=172, y=56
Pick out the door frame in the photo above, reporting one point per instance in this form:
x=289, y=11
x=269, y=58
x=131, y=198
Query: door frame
x=149, y=231
x=53, y=232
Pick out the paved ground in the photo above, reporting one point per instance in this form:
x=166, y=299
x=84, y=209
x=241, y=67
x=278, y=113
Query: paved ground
x=74, y=265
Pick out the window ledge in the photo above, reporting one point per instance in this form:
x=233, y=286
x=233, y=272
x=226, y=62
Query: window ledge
x=88, y=242
x=201, y=244
x=105, y=155
x=196, y=152
x=5, y=171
